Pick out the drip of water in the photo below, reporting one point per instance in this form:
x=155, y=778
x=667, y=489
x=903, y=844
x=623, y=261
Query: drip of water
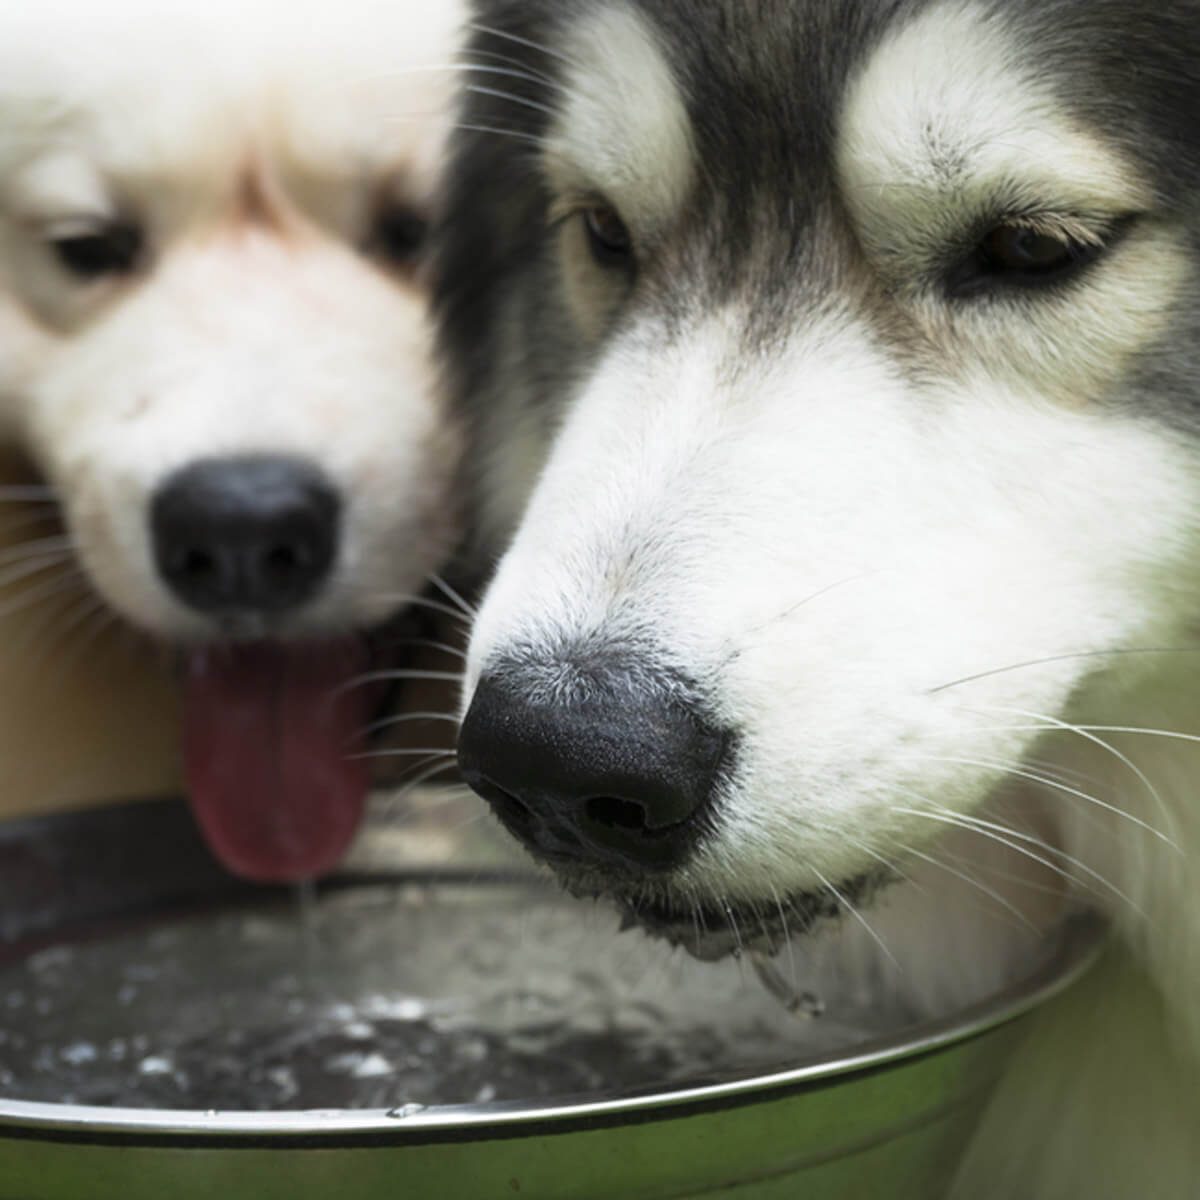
x=306, y=923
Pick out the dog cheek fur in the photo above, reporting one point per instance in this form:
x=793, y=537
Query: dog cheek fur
x=936, y=555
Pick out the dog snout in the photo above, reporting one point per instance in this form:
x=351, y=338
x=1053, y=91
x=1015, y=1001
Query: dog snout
x=617, y=775
x=245, y=535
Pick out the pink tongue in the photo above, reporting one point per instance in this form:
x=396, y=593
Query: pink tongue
x=271, y=742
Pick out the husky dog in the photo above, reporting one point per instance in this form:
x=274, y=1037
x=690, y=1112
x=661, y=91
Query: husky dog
x=854, y=347
x=214, y=344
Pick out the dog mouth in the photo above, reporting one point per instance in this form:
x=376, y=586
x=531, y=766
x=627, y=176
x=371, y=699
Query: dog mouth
x=270, y=734
x=275, y=745
x=711, y=927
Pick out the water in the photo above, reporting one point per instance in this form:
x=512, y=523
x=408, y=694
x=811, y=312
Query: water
x=398, y=998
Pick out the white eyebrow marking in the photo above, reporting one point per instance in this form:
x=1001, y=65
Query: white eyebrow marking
x=60, y=187
x=946, y=114
x=623, y=128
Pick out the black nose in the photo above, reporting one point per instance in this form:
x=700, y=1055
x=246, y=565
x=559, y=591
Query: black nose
x=245, y=535
x=615, y=773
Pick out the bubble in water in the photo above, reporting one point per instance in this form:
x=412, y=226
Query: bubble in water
x=79, y=1053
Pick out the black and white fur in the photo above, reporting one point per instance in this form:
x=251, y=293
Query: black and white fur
x=923, y=535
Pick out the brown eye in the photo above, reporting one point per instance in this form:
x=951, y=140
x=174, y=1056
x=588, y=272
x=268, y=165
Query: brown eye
x=1017, y=249
x=1012, y=255
x=608, y=236
x=111, y=250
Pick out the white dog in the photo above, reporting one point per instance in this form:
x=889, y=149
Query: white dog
x=214, y=345
x=859, y=342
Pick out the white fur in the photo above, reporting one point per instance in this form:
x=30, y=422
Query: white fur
x=623, y=127
x=824, y=538
x=254, y=144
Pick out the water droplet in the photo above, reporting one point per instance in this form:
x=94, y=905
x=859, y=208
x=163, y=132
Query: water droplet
x=79, y=1053
x=405, y=1111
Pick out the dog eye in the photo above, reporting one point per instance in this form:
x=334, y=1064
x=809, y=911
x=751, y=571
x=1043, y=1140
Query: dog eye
x=400, y=235
x=1013, y=249
x=111, y=250
x=1018, y=255
x=608, y=237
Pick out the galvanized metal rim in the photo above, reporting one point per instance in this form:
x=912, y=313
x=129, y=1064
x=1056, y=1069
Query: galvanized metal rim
x=1080, y=946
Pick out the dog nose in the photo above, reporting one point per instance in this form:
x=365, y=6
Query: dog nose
x=238, y=535
x=619, y=775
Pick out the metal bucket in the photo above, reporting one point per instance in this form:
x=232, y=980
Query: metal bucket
x=884, y=1118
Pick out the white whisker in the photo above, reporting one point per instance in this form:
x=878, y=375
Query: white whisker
x=432, y=644
x=1056, y=658
x=991, y=893
x=57, y=546
x=1001, y=834
x=396, y=675
x=423, y=602
x=1046, y=781
x=845, y=903
x=1090, y=736
x=499, y=94
x=404, y=718
x=66, y=578
x=504, y=35
x=456, y=597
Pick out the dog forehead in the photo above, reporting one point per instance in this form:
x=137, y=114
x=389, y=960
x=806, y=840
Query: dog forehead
x=145, y=88
x=661, y=95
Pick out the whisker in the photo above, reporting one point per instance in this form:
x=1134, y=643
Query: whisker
x=504, y=35
x=58, y=620
x=794, y=608
x=411, y=785
x=730, y=918
x=456, y=597
x=59, y=544
x=516, y=134
x=989, y=829
x=65, y=579
x=845, y=903
x=400, y=673
x=1054, y=658
x=991, y=893
x=98, y=622
x=518, y=68
x=405, y=752
x=61, y=563
x=1090, y=736
x=511, y=97
x=1046, y=781
x=1148, y=732
x=390, y=722
x=787, y=940
x=887, y=864
x=423, y=602
x=432, y=644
